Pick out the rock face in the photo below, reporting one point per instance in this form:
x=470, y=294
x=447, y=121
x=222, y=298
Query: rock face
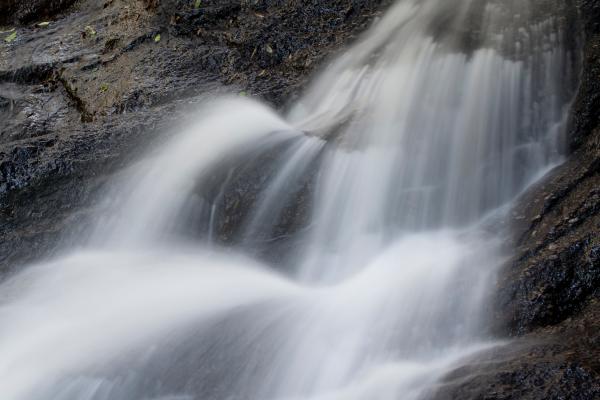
x=85, y=90
x=81, y=95
x=548, y=298
x=15, y=11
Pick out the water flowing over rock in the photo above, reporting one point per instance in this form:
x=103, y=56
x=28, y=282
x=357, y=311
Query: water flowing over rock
x=351, y=247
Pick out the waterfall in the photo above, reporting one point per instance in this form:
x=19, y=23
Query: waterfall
x=404, y=153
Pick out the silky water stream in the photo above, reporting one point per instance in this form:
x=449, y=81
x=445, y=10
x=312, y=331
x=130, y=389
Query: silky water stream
x=415, y=140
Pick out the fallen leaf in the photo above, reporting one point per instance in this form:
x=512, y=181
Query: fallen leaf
x=90, y=31
x=157, y=38
x=11, y=37
x=43, y=24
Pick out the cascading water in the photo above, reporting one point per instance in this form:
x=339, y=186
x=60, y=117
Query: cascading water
x=414, y=140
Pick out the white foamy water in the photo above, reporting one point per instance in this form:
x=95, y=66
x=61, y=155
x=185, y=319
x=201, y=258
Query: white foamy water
x=404, y=151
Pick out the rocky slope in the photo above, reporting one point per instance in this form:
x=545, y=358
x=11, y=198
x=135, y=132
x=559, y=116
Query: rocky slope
x=84, y=85
x=548, y=298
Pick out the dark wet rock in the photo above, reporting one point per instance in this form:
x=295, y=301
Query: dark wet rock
x=12, y=11
x=468, y=30
x=556, y=270
x=550, y=291
x=48, y=184
x=557, y=267
x=585, y=117
x=548, y=295
x=553, y=364
x=84, y=94
x=77, y=103
x=234, y=189
x=271, y=44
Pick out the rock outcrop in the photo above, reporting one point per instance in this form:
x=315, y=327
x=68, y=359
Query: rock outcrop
x=84, y=87
x=548, y=295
